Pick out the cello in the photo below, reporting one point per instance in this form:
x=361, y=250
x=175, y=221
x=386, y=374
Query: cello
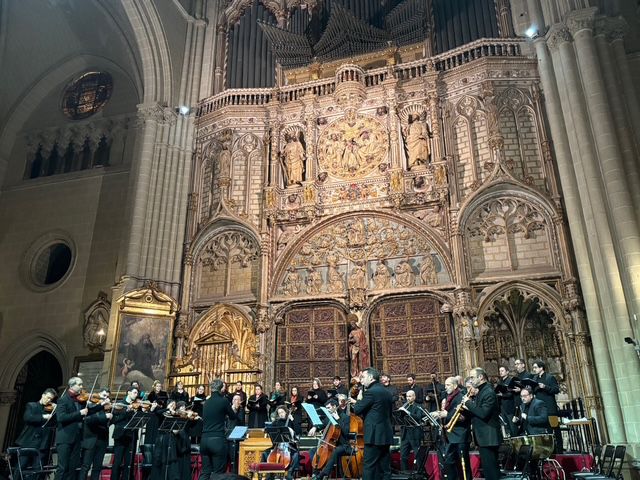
x=352, y=466
x=326, y=445
x=281, y=452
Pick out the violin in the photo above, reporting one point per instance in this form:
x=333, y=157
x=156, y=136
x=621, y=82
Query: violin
x=85, y=397
x=50, y=407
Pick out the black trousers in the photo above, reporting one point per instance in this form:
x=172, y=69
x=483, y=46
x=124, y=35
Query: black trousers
x=453, y=456
x=339, y=451
x=68, y=461
x=489, y=461
x=92, y=459
x=407, y=445
x=213, y=451
x=377, y=462
x=122, y=453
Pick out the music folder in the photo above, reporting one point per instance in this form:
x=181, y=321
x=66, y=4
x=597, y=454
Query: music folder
x=238, y=433
x=313, y=415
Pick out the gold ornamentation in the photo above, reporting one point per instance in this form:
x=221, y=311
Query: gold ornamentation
x=353, y=147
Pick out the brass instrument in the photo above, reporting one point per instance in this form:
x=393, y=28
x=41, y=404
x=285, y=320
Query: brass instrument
x=464, y=467
x=456, y=415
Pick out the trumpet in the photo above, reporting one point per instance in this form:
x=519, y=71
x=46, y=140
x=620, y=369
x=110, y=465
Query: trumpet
x=456, y=415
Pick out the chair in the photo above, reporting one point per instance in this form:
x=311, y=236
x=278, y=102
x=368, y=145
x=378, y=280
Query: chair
x=600, y=464
x=27, y=463
x=615, y=470
x=506, y=457
x=259, y=469
x=523, y=463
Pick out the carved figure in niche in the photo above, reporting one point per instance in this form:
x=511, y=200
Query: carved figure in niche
x=417, y=141
x=440, y=176
x=224, y=161
x=357, y=285
x=293, y=155
x=309, y=194
x=335, y=279
x=95, y=329
x=404, y=274
x=286, y=235
x=428, y=273
x=355, y=234
x=358, y=347
x=313, y=281
x=382, y=276
x=291, y=284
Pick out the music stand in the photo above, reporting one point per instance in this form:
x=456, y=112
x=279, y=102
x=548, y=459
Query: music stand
x=237, y=435
x=312, y=414
x=170, y=425
x=136, y=424
x=440, y=443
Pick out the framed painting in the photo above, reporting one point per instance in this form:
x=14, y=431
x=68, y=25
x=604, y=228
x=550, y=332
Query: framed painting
x=143, y=339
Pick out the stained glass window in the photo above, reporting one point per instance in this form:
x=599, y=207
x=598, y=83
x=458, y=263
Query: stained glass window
x=87, y=95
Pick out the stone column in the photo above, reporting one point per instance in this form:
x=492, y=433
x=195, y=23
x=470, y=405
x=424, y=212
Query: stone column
x=611, y=163
x=504, y=19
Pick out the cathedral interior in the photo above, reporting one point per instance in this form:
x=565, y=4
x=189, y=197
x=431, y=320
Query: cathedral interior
x=250, y=189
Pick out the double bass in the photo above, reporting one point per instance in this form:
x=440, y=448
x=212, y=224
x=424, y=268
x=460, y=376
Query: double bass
x=352, y=465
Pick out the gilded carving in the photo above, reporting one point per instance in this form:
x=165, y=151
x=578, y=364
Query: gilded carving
x=417, y=136
x=352, y=147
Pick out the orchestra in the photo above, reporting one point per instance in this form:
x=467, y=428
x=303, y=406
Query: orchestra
x=456, y=416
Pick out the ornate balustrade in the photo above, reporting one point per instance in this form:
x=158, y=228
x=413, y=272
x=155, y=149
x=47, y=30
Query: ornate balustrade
x=463, y=55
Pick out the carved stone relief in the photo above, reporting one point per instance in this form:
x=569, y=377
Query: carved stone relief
x=96, y=323
x=353, y=147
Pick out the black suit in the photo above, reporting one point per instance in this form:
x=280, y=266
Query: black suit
x=417, y=390
x=69, y=435
x=95, y=439
x=213, y=447
x=411, y=437
x=342, y=446
x=520, y=376
x=123, y=443
x=548, y=396
x=35, y=434
x=458, y=440
x=507, y=403
x=485, y=420
x=376, y=407
x=537, y=421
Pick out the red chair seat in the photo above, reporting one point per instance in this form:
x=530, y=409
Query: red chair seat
x=264, y=467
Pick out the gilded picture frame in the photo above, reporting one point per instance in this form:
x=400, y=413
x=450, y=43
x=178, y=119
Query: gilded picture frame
x=142, y=346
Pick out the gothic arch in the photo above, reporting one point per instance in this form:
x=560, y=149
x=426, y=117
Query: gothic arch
x=19, y=353
x=146, y=26
x=410, y=225
x=223, y=222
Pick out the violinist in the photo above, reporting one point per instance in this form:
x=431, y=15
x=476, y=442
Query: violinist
x=295, y=408
x=123, y=439
x=38, y=417
x=459, y=438
x=284, y=419
x=277, y=397
x=95, y=438
x=316, y=396
x=70, y=414
x=138, y=386
x=172, y=452
x=410, y=436
x=342, y=446
x=258, y=408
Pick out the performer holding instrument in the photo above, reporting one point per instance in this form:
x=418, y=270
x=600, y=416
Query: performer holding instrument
x=284, y=453
x=123, y=439
x=457, y=463
x=39, y=422
x=95, y=438
x=333, y=444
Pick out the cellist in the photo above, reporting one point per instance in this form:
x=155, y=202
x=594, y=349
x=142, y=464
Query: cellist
x=341, y=446
x=283, y=419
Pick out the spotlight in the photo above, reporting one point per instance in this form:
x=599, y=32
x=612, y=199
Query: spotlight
x=183, y=110
x=531, y=32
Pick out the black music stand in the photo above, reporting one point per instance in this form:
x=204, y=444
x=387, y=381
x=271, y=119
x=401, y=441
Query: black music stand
x=136, y=424
x=171, y=425
x=439, y=444
x=237, y=435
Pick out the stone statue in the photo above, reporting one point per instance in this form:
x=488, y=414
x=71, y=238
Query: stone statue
x=358, y=347
x=356, y=233
x=404, y=274
x=382, y=276
x=357, y=285
x=335, y=279
x=434, y=218
x=417, y=140
x=293, y=155
x=313, y=282
x=428, y=273
x=224, y=162
x=291, y=284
